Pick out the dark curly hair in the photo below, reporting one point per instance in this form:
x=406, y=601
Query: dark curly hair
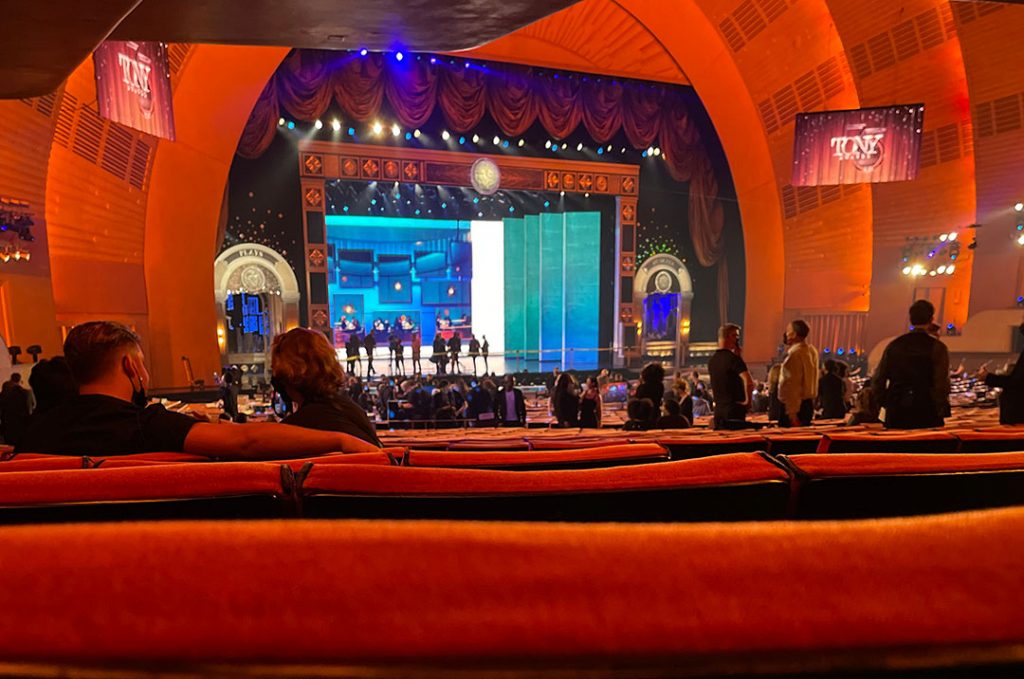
x=305, y=361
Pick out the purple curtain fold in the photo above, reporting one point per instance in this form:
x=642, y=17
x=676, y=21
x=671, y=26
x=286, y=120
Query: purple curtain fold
x=515, y=96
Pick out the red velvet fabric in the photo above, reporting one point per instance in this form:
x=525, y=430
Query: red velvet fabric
x=431, y=458
x=895, y=437
x=349, y=592
x=44, y=463
x=367, y=480
x=861, y=464
x=151, y=482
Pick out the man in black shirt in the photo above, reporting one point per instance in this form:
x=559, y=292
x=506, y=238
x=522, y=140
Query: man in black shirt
x=370, y=344
x=731, y=383
x=110, y=415
x=912, y=378
x=1011, y=401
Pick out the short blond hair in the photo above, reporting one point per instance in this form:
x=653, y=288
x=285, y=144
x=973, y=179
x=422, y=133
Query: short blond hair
x=304, y=360
x=726, y=330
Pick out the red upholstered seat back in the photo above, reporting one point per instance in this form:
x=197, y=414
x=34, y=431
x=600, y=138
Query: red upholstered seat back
x=890, y=442
x=584, y=457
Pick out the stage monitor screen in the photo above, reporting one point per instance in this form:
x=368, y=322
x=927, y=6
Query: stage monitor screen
x=868, y=145
x=133, y=86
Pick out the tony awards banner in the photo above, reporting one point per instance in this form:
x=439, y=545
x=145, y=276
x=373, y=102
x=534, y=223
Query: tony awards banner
x=867, y=145
x=133, y=86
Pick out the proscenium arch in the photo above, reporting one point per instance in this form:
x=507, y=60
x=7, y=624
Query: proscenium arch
x=248, y=254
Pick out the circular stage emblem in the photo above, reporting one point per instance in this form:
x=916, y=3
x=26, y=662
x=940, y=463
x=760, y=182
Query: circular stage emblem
x=253, y=279
x=485, y=176
x=663, y=282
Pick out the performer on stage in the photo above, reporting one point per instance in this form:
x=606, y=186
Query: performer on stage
x=399, y=356
x=369, y=343
x=439, y=357
x=352, y=345
x=455, y=348
x=417, y=343
x=485, y=351
x=474, y=351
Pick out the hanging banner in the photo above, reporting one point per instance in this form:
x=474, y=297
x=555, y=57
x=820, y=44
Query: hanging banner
x=868, y=145
x=133, y=86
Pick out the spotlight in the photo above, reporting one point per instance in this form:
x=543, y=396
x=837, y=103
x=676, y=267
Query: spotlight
x=363, y=52
x=600, y=150
x=446, y=135
x=522, y=143
x=351, y=131
x=399, y=56
x=579, y=147
x=398, y=285
x=623, y=149
x=950, y=269
x=496, y=140
x=462, y=140
x=433, y=60
x=547, y=203
x=319, y=124
x=1019, y=207
x=280, y=122
x=504, y=144
x=941, y=269
x=906, y=271
x=451, y=290
x=291, y=124
x=336, y=125
x=396, y=130
x=609, y=148
x=650, y=150
x=476, y=138
x=562, y=194
x=952, y=236
x=1020, y=240
x=547, y=144
x=377, y=127
x=943, y=237
x=416, y=134
x=657, y=151
x=643, y=154
x=408, y=136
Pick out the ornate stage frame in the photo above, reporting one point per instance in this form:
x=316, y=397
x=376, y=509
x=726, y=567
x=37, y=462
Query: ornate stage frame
x=321, y=161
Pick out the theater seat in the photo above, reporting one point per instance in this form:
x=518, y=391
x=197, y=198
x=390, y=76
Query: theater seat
x=441, y=599
x=1004, y=439
x=154, y=491
x=727, y=487
x=583, y=458
x=38, y=463
x=894, y=484
x=695, y=445
x=890, y=442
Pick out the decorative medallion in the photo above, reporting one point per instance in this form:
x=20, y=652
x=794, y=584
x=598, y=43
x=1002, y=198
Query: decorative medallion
x=317, y=257
x=390, y=169
x=319, y=318
x=313, y=164
x=253, y=279
x=626, y=313
x=411, y=171
x=569, y=181
x=601, y=183
x=552, y=180
x=371, y=168
x=314, y=197
x=349, y=167
x=628, y=185
x=628, y=262
x=663, y=281
x=586, y=182
x=628, y=213
x=485, y=176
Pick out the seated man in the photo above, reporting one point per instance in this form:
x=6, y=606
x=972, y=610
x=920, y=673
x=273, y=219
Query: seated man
x=109, y=416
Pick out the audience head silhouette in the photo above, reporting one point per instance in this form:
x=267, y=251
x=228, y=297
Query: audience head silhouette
x=106, y=357
x=728, y=336
x=922, y=313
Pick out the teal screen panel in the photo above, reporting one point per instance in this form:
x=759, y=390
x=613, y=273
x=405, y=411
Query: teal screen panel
x=515, y=285
x=532, y=287
x=552, y=306
x=582, y=283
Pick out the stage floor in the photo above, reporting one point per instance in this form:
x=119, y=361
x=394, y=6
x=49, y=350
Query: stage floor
x=497, y=364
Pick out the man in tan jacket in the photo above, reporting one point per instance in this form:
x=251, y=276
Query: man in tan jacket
x=798, y=384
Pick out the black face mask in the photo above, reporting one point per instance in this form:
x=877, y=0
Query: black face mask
x=281, y=394
x=139, y=397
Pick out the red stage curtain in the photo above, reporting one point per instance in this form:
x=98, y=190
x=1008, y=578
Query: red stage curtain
x=515, y=96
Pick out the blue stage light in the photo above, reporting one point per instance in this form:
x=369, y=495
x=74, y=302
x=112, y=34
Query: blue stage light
x=433, y=60
x=827, y=350
x=363, y=52
x=462, y=141
x=853, y=352
x=417, y=211
x=547, y=203
x=351, y=131
x=408, y=136
x=476, y=199
x=511, y=208
x=444, y=206
x=600, y=150
x=504, y=144
x=373, y=201
x=644, y=154
x=291, y=124
x=399, y=56
x=840, y=351
x=345, y=209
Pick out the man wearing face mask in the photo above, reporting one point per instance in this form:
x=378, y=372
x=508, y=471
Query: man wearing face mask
x=1011, y=401
x=110, y=415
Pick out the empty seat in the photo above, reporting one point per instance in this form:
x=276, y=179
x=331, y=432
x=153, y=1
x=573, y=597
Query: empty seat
x=893, y=484
x=583, y=458
x=890, y=442
x=227, y=489
x=441, y=599
x=727, y=487
x=695, y=445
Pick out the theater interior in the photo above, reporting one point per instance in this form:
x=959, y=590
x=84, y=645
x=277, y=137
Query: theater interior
x=588, y=185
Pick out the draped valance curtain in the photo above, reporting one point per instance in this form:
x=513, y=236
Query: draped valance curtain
x=308, y=81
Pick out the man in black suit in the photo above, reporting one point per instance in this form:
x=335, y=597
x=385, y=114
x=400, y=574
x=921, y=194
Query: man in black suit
x=913, y=376
x=1011, y=401
x=369, y=343
x=511, y=405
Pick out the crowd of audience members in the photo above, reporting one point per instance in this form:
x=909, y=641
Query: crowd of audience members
x=93, y=399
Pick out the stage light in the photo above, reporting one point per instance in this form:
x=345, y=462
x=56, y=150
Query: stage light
x=547, y=144
x=398, y=285
x=446, y=135
x=444, y=206
x=650, y=150
x=941, y=269
x=586, y=195
x=609, y=148
x=433, y=60
x=657, y=151
x=952, y=236
x=1020, y=240
x=547, y=203
x=943, y=237
x=351, y=131
x=623, y=149
x=363, y=52
x=562, y=194
x=336, y=125
x=377, y=127
x=476, y=138
x=319, y=124
x=504, y=144
x=932, y=272
x=416, y=134
x=476, y=199
x=408, y=136
x=396, y=130
x=466, y=64
x=496, y=140
x=1019, y=207
x=522, y=143
x=373, y=201
x=462, y=141
x=906, y=271
x=511, y=208
x=1020, y=227
x=950, y=269
x=600, y=150
x=399, y=56
x=280, y=122
x=579, y=147
x=643, y=154
x=451, y=290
